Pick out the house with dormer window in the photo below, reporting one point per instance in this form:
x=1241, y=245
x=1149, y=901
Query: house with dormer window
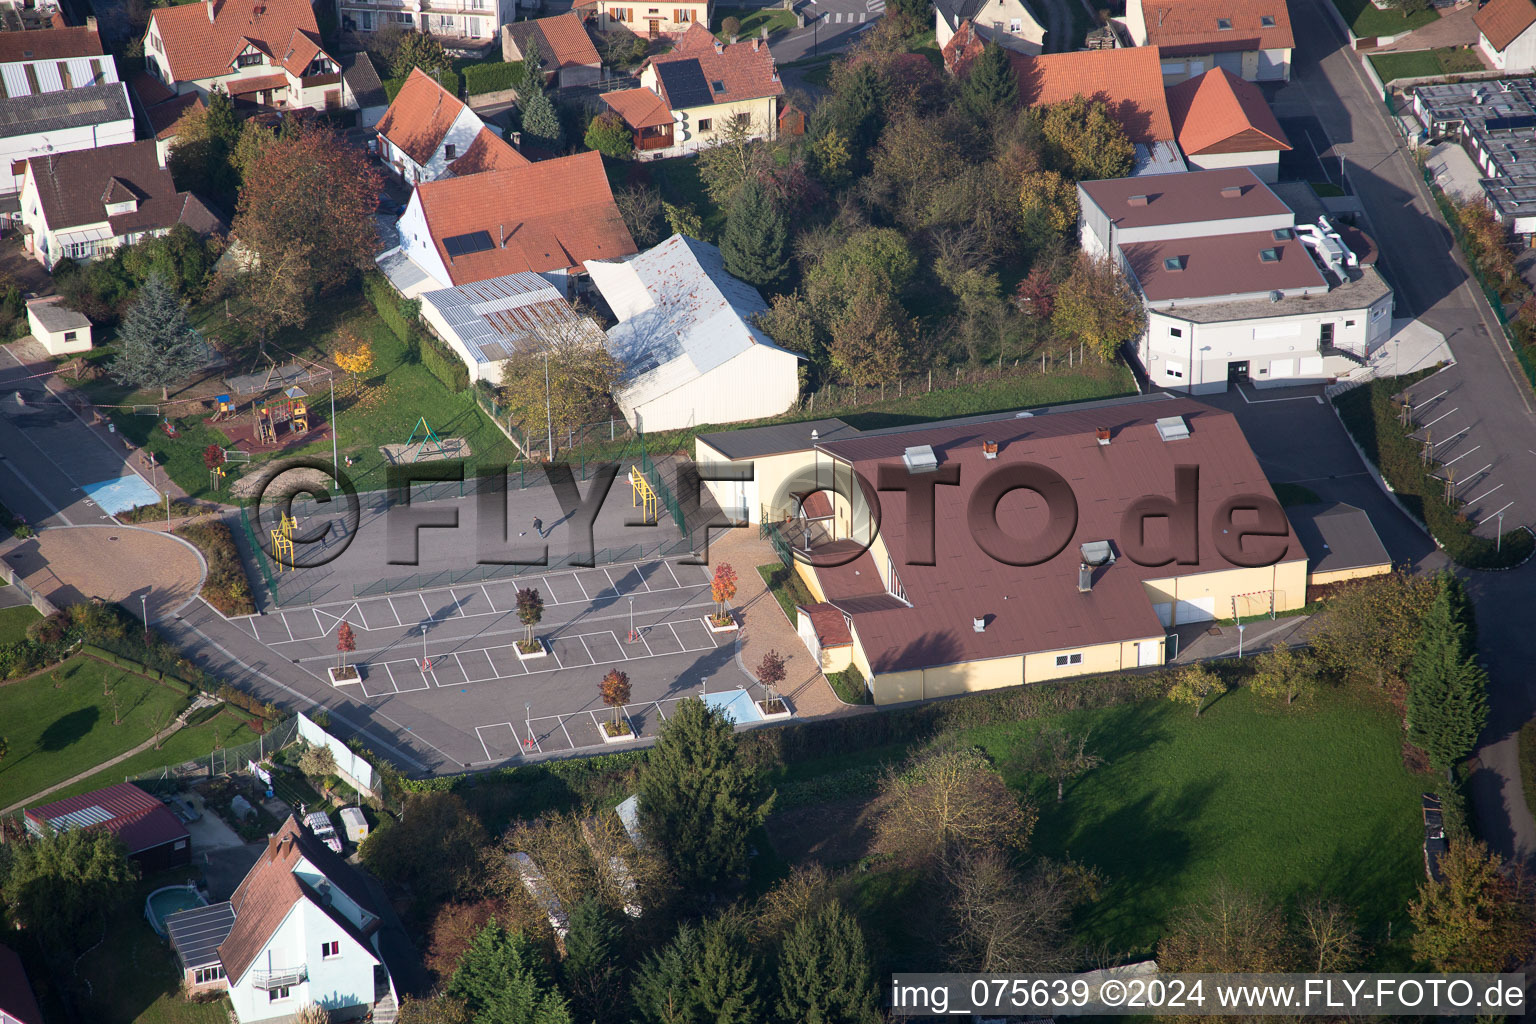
x=428, y=134
x=301, y=928
x=1251, y=39
x=265, y=53
x=87, y=203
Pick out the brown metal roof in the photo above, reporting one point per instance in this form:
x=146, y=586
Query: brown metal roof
x=1036, y=608
x=1181, y=198
x=830, y=624
x=1220, y=265
x=16, y=999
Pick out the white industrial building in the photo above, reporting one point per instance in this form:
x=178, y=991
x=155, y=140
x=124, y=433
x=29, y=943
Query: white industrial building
x=488, y=322
x=687, y=340
x=1236, y=291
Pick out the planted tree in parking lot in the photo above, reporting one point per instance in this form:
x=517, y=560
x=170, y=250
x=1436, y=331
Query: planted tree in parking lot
x=615, y=692
x=530, y=609
x=722, y=587
x=770, y=672
x=346, y=642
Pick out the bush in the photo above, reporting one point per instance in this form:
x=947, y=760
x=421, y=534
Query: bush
x=1370, y=414
x=849, y=686
x=609, y=135
x=181, y=508
x=227, y=588
x=247, y=703
x=731, y=26
x=444, y=364
x=399, y=314
x=493, y=77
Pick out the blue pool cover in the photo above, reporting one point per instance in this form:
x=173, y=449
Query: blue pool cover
x=122, y=493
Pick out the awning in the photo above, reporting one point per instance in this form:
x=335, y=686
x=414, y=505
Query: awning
x=259, y=83
x=91, y=234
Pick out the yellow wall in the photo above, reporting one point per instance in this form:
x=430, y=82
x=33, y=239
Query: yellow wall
x=1287, y=579
x=836, y=659
x=763, y=111
x=994, y=673
x=1319, y=579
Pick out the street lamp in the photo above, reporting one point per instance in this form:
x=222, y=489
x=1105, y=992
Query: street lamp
x=528, y=725
x=1498, y=541
x=144, y=607
x=1239, y=639
x=633, y=636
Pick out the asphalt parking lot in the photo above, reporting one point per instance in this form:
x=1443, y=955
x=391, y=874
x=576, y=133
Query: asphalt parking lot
x=1450, y=422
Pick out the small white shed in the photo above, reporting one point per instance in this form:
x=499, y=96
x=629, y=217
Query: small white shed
x=356, y=825
x=60, y=330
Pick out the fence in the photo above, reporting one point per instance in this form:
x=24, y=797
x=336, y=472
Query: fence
x=493, y=573
x=221, y=761
x=351, y=767
x=44, y=606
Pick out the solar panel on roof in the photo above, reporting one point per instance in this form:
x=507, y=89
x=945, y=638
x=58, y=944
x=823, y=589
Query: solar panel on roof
x=464, y=245
x=197, y=934
x=1496, y=124
x=685, y=84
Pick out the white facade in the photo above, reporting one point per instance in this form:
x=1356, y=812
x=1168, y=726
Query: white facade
x=1518, y=57
x=471, y=23
x=1265, y=164
x=336, y=969
x=454, y=143
x=18, y=148
x=61, y=331
x=416, y=243
x=761, y=382
x=1008, y=23
x=78, y=241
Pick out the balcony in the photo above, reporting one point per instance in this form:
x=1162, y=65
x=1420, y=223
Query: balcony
x=267, y=980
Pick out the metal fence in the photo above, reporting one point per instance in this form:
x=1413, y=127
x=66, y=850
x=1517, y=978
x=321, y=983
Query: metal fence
x=493, y=573
x=219, y=762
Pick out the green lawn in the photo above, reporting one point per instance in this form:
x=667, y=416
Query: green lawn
x=753, y=20
x=1366, y=20
x=227, y=729
x=54, y=734
x=679, y=182
x=1447, y=60
x=996, y=395
x=14, y=622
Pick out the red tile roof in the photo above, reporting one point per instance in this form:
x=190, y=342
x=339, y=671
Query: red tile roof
x=420, y=116
x=963, y=47
x=1129, y=80
x=149, y=89
x=640, y=108
x=489, y=152
x=1189, y=27
x=137, y=819
x=257, y=83
x=1036, y=608
x=1218, y=112
x=303, y=47
x=196, y=49
x=553, y=215
x=563, y=41
x=50, y=44
x=1217, y=266
x=16, y=998
x=746, y=71
x=165, y=117
x=1502, y=21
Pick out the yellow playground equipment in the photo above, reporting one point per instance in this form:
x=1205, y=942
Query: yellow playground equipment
x=282, y=542
x=284, y=411
x=641, y=493
x=216, y=478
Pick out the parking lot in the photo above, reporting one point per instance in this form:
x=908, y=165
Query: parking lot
x=1450, y=423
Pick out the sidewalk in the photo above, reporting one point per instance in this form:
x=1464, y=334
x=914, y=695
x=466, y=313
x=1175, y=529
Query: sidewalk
x=159, y=737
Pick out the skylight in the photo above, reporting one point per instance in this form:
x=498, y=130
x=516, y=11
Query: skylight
x=1267, y=21
x=1224, y=24
x=1173, y=263
x=1282, y=234
x=718, y=86
x=1269, y=255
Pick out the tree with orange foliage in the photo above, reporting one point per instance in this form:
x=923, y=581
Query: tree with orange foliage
x=615, y=691
x=722, y=587
x=353, y=354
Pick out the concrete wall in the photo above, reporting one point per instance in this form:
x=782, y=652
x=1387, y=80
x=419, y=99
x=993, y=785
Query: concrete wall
x=1265, y=165
x=1215, y=590
x=1322, y=579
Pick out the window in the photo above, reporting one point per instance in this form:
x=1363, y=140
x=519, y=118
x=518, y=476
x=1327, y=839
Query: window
x=717, y=86
x=1269, y=255
x=1224, y=24
x=70, y=335
x=1175, y=332
x=894, y=587
x=1349, y=323
x=1015, y=25
x=1267, y=21
x=275, y=995
x=1173, y=263
x=1175, y=370
x=367, y=21
x=706, y=123
x=997, y=26
x=1068, y=659
x=246, y=60
x=474, y=27
x=203, y=975
x=450, y=151
x=743, y=120
x=1378, y=313
x=1282, y=234
x=682, y=15
x=330, y=949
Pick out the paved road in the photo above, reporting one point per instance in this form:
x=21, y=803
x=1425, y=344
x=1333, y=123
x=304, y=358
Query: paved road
x=1432, y=282
x=830, y=26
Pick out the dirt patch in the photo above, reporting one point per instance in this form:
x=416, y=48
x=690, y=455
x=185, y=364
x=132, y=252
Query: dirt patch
x=833, y=833
x=426, y=451
x=293, y=481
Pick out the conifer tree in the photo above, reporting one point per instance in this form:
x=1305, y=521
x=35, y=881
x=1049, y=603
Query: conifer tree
x=1447, y=702
x=501, y=980
x=824, y=972
x=991, y=88
x=755, y=244
x=157, y=347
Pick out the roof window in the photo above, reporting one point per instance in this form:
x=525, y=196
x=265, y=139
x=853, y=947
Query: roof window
x=1282, y=234
x=1267, y=20
x=1173, y=263
x=718, y=86
x=1269, y=255
x=1224, y=24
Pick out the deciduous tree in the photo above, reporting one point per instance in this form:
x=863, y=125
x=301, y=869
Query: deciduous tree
x=641, y=208
x=609, y=135
x=615, y=690
x=317, y=761
x=582, y=376
x=1328, y=933
x=1368, y=630
x=157, y=347
x=1049, y=202
x=1001, y=922
x=1282, y=674
x=530, y=610
x=755, y=244
x=1061, y=757
x=1232, y=930
x=683, y=219
x=1036, y=294
x=1096, y=305
x=727, y=164
x=63, y=886
x=353, y=354
x=770, y=672
x=868, y=342
x=946, y=798
x=1478, y=918
x=698, y=801
x=824, y=974
x=1083, y=140
x=1193, y=685
x=722, y=587
x=434, y=849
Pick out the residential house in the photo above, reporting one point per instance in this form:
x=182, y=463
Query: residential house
x=59, y=329
x=362, y=89
x=1250, y=38
x=426, y=132
x=152, y=835
x=1236, y=290
x=1009, y=23
x=928, y=613
x=90, y=202
x=687, y=338
x=491, y=321
x=164, y=109
x=666, y=19
x=1506, y=34
x=301, y=928
x=261, y=52
x=1128, y=81
x=709, y=88
x=462, y=26
x=59, y=92
x=566, y=52
x=545, y=218
x=1222, y=121
x=18, y=1005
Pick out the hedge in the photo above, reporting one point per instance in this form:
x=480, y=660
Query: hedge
x=495, y=76
x=448, y=80
x=203, y=714
x=444, y=364
x=227, y=588
x=139, y=668
x=398, y=313
x=1370, y=414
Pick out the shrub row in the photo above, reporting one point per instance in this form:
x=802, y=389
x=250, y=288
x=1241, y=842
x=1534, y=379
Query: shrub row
x=138, y=667
x=181, y=508
x=493, y=76
x=444, y=364
x=849, y=686
x=397, y=313
x=247, y=703
x=1371, y=416
x=448, y=79
x=227, y=588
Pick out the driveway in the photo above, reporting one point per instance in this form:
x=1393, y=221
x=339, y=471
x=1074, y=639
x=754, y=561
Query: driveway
x=1420, y=260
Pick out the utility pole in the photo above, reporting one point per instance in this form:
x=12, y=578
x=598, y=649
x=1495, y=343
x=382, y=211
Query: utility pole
x=335, y=459
x=549, y=418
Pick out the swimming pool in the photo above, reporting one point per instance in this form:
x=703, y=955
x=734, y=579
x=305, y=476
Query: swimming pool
x=170, y=899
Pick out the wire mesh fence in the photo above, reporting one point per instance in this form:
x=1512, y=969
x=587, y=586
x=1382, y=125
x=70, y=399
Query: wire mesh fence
x=220, y=761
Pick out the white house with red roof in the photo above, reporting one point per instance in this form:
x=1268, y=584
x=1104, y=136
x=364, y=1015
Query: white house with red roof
x=461, y=25
x=1506, y=34
x=566, y=51
x=262, y=52
x=427, y=134
x=1222, y=121
x=706, y=87
x=1250, y=38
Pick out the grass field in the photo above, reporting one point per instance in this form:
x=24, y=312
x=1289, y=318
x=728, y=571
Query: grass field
x=57, y=733
x=753, y=20
x=1447, y=60
x=1282, y=801
x=227, y=729
x=14, y=623
x=1365, y=19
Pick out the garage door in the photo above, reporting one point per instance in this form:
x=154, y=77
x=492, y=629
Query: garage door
x=1201, y=609
x=1231, y=62
x=1271, y=65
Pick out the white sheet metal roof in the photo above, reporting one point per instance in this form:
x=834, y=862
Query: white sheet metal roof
x=403, y=272
x=495, y=317
x=680, y=314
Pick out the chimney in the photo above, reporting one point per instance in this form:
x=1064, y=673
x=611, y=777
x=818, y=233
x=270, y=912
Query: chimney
x=1084, y=577
x=979, y=624
x=1232, y=192
x=517, y=141
x=1141, y=200
x=719, y=46
x=1102, y=435
x=501, y=230
x=989, y=449
x=209, y=4
x=90, y=22
x=757, y=44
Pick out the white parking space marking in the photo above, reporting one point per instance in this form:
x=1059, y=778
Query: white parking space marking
x=401, y=619
x=373, y=614
x=500, y=741
x=478, y=666
x=504, y=662
x=303, y=626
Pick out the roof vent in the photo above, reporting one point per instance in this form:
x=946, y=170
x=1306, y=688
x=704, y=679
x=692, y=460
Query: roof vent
x=1282, y=234
x=1172, y=428
x=989, y=449
x=1098, y=552
x=1084, y=578
x=1276, y=295
x=1232, y=192
x=1141, y=200
x=920, y=459
x=1101, y=434
x=979, y=624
